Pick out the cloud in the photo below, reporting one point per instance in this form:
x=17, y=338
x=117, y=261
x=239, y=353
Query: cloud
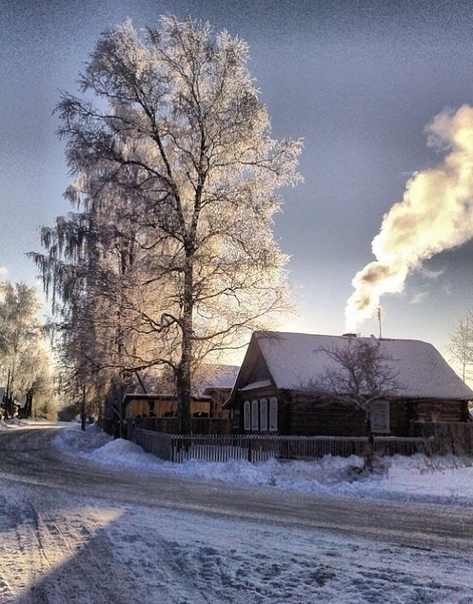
x=418, y=298
x=430, y=273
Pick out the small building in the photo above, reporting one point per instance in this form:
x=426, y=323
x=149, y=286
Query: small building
x=157, y=412
x=211, y=386
x=216, y=382
x=270, y=394
x=138, y=405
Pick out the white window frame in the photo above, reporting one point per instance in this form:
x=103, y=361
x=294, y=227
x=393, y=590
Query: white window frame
x=263, y=415
x=254, y=415
x=379, y=416
x=247, y=416
x=273, y=414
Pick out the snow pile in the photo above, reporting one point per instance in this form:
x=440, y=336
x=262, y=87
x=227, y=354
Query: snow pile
x=444, y=480
x=125, y=454
x=11, y=423
x=74, y=440
x=8, y=424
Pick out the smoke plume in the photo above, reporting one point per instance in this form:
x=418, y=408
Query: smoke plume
x=435, y=214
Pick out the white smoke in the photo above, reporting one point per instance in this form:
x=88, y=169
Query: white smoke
x=435, y=214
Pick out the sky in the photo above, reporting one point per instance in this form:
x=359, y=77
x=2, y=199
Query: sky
x=359, y=81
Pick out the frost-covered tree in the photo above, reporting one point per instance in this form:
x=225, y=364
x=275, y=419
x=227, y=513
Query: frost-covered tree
x=23, y=359
x=92, y=274
x=460, y=346
x=172, y=152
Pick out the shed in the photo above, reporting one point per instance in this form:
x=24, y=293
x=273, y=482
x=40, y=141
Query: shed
x=160, y=405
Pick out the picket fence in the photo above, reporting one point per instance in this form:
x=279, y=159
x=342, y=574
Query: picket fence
x=254, y=448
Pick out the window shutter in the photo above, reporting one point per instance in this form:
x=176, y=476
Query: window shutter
x=246, y=416
x=254, y=415
x=273, y=414
x=263, y=415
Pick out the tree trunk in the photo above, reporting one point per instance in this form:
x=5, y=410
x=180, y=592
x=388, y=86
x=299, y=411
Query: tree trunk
x=29, y=404
x=183, y=387
x=183, y=370
x=369, y=455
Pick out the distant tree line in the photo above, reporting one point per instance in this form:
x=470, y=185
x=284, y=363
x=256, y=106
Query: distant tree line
x=167, y=258
x=25, y=366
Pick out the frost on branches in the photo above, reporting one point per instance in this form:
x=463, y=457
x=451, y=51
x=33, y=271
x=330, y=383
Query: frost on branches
x=171, y=251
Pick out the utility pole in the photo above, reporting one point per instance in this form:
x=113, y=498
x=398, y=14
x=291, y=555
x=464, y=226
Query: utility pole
x=378, y=316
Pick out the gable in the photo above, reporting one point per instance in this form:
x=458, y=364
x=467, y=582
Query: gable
x=254, y=370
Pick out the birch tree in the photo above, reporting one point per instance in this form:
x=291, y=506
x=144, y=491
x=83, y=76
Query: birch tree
x=358, y=375
x=170, y=144
x=460, y=346
x=84, y=273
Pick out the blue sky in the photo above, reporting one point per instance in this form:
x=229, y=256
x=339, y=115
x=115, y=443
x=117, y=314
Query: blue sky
x=359, y=81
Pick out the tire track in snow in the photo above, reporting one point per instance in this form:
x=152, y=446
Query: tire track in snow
x=229, y=546
x=42, y=531
x=30, y=549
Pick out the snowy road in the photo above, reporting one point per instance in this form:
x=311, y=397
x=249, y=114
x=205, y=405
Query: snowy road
x=72, y=532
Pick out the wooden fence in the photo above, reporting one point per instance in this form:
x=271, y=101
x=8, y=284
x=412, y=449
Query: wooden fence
x=254, y=448
x=455, y=437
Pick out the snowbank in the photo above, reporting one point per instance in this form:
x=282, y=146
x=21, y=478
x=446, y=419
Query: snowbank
x=443, y=480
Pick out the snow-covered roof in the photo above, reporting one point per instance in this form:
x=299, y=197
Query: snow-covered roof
x=256, y=385
x=293, y=359
x=215, y=377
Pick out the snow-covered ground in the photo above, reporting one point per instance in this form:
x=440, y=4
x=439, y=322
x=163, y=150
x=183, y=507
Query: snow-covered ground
x=60, y=545
x=445, y=480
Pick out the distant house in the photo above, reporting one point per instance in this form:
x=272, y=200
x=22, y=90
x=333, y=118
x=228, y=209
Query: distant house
x=270, y=394
x=138, y=405
x=216, y=382
x=212, y=386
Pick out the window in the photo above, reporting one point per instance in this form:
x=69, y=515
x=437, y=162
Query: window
x=260, y=415
x=263, y=415
x=246, y=416
x=254, y=415
x=273, y=414
x=380, y=416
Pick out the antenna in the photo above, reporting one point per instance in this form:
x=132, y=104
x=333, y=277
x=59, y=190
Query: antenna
x=378, y=316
